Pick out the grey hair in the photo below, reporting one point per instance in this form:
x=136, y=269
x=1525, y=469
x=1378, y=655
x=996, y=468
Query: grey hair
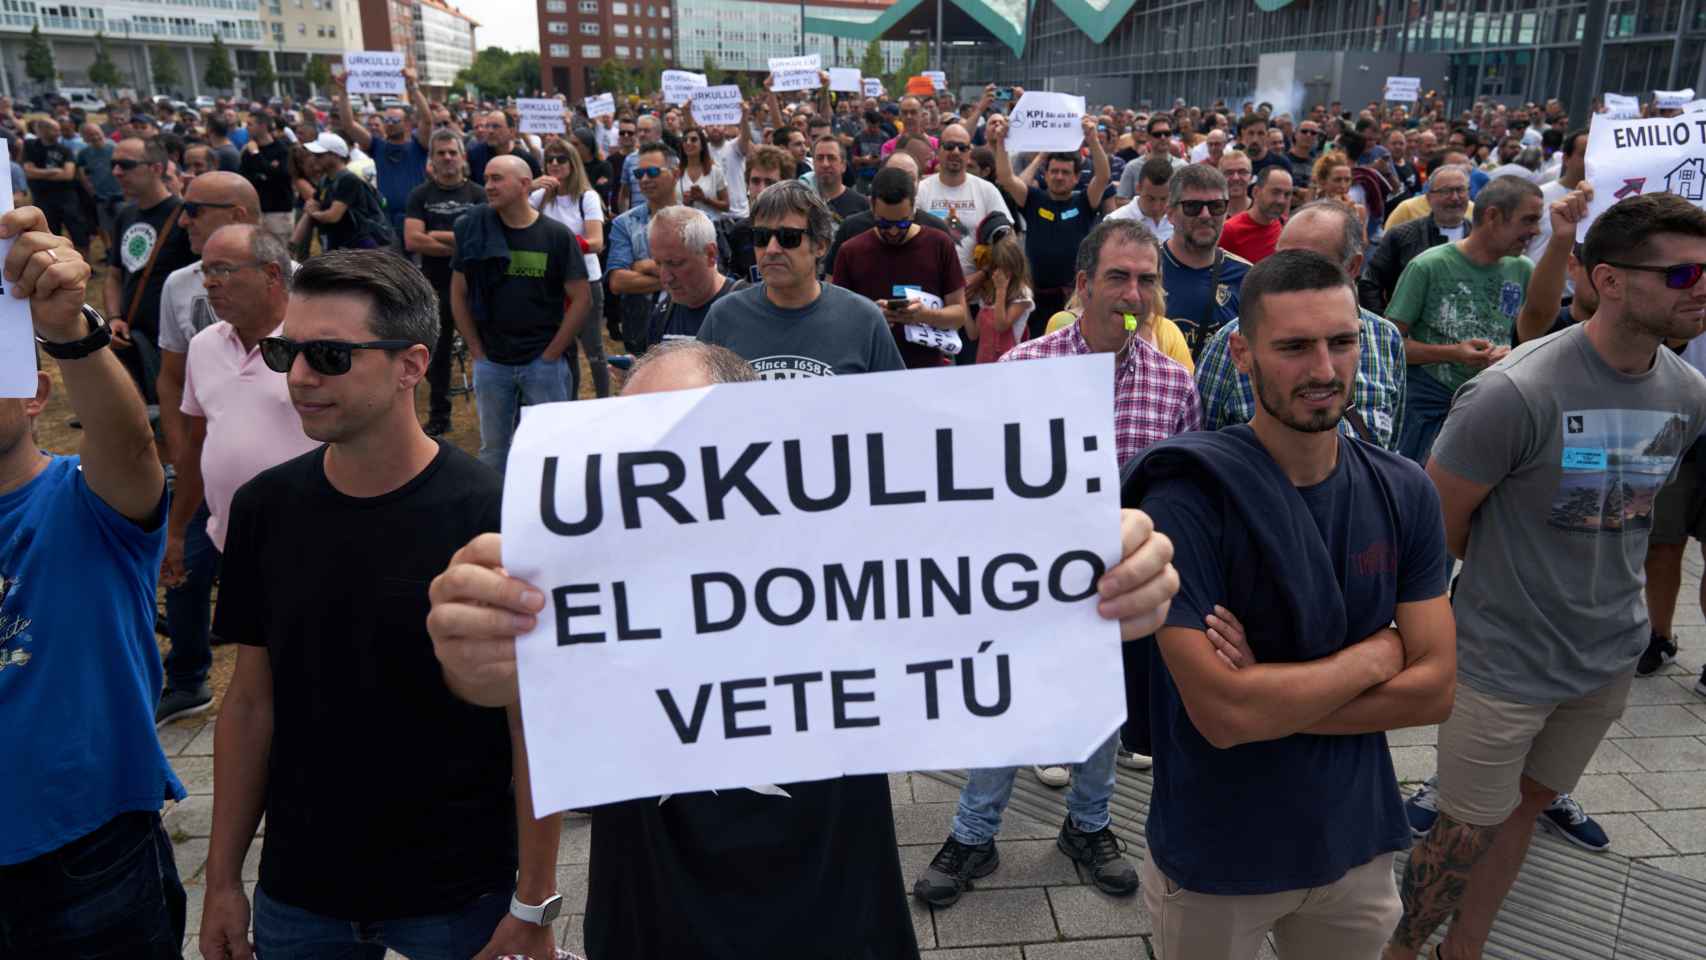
x=1504, y=194
x=1448, y=168
x=403, y=304
x=1195, y=176
x=264, y=249
x=721, y=365
x=446, y=136
x=1530, y=157
x=692, y=228
x=792, y=196
x=1351, y=243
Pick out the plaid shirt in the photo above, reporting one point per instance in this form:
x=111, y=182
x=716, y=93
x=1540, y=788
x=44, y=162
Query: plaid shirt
x=1153, y=395
x=1378, y=393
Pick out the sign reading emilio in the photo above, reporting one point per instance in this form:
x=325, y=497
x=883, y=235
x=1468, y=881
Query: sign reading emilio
x=1627, y=158
x=774, y=582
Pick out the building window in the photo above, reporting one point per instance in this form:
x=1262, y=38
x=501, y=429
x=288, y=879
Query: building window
x=652, y=32
x=622, y=53
x=620, y=29
x=619, y=9
x=332, y=31
x=591, y=51
x=556, y=6
x=302, y=29
x=665, y=13
x=588, y=6
x=560, y=51
x=666, y=33
x=557, y=27
x=590, y=28
x=652, y=11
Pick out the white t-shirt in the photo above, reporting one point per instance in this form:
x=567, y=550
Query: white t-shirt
x=732, y=162
x=1548, y=193
x=1453, y=234
x=184, y=311
x=711, y=183
x=569, y=213
x=608, y=137
x=964, y=207
x=1162, y=228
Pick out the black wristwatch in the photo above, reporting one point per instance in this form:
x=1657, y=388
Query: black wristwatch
x=99, y=336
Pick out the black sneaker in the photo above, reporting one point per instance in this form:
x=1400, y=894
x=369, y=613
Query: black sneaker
x=1700, y=684
x=1099, y=853
x=1660, y=651
x=437, y=427
x=182, y=703
x=950, y=874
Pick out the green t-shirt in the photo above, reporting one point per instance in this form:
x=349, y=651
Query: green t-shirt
x=1444, y=298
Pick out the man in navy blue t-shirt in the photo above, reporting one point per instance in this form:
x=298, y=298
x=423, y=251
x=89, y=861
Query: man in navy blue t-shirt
x=1319, y=543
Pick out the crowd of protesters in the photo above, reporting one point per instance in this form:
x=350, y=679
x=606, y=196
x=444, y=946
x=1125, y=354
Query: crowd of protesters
x=1373, y=400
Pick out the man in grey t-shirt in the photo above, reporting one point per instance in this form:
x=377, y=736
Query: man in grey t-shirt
x=1547, y=469
x=793, y=325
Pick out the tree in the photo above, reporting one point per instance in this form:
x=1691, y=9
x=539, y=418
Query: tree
x=38, y=58
x=651, y=73
x=524, y=73
x=103, y=72
x=714, y=75
x=219, y=74
x=916, y=61
x=166, y=77
x=872, y=65
x=490, y=71
x=317, y=72
x=266, y=78
x=615, y=77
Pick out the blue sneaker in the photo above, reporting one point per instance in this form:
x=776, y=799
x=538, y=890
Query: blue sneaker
x=1423, y=807
x=1565, y=818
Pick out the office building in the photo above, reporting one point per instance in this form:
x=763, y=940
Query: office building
x=136, y=34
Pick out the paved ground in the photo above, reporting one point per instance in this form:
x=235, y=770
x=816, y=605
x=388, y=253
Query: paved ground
x=1646, y=785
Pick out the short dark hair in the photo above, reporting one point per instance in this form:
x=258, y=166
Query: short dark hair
x=217, y=126
x=1061, y=157
x=1128, y=230
x=1570, y=140
x=403, y=304
x=1267, y=174
x=893, y=185
x=658, y=146
x=1156, y=170
x=873, y=117
x=1504, y=194
x=1249, y=120
x=1625, y=232
x=1158, y=118
x=1286, y=271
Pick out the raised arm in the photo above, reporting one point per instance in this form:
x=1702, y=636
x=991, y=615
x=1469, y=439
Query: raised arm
x=356, y=133
x=1546, y=284
x=423, y=109
x=1099, y=167
x=996, y=135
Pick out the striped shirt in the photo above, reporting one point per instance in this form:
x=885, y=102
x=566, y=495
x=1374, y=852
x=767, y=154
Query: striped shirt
x=1378, y=392
x=1154, y=397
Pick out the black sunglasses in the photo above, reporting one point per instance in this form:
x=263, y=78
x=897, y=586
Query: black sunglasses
x=954, y=146
x=1194, y=208
x=128, y=164
x=1678, y=276
x=647, y=173
x=330, y=358
x=788, y=237
x=193, y=208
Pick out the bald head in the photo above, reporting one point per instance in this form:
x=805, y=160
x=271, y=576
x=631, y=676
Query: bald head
x=508, y=180
x=903, y=160
x=685, y=365
x=221, y=186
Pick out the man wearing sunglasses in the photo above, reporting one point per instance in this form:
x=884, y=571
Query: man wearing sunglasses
x=633, y=272
x=350, y=769
x=400, y=156
x=960, y=199
x=1201, y=279
x=137, y=270
x=1547, y=471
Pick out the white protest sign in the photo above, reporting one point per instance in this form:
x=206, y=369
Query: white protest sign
x=679, y=84
x=873, y=87
x=946, y=341
x=794, y=73
x=602, y=105
x=541, y=115
x=938, y=79
x=373, y=71
x=717, y=105
x=1620, y=107
x=17, y=330
x=736, y=595
x=1672, y=99
x=1046, y=121
x=1403, y=89
x=844, y=79
x=1628, y=158
x=1694, y=106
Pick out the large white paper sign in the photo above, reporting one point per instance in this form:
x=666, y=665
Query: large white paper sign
x=543, y=115
x=717, y=105
x=679, y=84
x=873, y=87
x=844, y=79
x=1694, y=106
x=1672, y=99
x=795, y=73
x=1046, y=121
x=373, y=71
x=1627, y=158
x=602, y=105
x=771, y=582
x=17, y=331
x=1620, y=107
x=1403, y=89
x=937, y=78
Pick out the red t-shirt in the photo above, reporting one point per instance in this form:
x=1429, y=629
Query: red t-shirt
x=871, y=268
x=1248, y=239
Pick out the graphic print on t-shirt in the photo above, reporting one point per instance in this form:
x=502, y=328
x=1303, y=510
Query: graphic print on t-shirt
x=12, y=627
x=1614, y=463
x=790, y=368
x=136, y=244
x=527, y=263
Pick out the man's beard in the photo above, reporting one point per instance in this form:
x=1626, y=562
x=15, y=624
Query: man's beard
x=1319, y=422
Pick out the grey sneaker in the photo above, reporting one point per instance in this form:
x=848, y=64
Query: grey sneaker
x=182, y=703
x=950, y=874
x=1099, y=853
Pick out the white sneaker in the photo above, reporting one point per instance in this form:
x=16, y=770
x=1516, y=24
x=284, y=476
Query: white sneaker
x=1053, y=776
x=1133, y=761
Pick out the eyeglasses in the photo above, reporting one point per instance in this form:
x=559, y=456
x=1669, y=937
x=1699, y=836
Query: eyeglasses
x=788, y=237
x=1194, y=208
x=223, y=271
x=1678, y=276
x=954, y=146
x=194, y=208
x=128, y=164
x=647, y=173
x=624, y=133
x=894, y=224
x=330, y=358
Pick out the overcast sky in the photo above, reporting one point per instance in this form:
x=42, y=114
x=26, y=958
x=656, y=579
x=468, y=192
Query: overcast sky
x=511, y=24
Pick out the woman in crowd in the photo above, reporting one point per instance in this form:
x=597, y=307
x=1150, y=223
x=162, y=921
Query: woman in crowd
x=565, y=195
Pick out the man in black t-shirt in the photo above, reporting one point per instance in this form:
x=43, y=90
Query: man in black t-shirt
x=266, y=164
x=338, y=724
x=828, y=165
x=433, y=209
x=1057, y=219
x=513, y=269
x=50, y=166
x=346, y=210
x=132, y=288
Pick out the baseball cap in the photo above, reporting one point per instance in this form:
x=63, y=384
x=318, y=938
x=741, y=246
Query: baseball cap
x=329, y=142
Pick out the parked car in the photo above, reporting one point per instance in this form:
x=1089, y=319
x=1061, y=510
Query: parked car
x=204, y=102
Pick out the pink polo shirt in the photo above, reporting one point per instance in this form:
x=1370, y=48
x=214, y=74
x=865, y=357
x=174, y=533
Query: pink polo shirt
x=251, y=424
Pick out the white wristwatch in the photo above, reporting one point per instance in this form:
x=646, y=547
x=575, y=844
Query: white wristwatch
x=539, y=916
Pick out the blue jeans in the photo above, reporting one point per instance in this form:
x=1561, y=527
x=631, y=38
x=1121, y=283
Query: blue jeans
x=500, y=390
x=985, y=795
x=112, y=893
x=189, y=608
x=284, y=932
x=1426, y=402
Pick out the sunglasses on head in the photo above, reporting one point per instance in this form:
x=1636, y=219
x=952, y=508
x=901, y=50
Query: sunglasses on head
x=1678, y=276
x=788, y=237
x=330, y=358
x=1194, y=208
x=647, y=173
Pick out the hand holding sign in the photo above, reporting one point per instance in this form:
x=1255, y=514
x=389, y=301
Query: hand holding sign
x=44, y=280
x=17, y=342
